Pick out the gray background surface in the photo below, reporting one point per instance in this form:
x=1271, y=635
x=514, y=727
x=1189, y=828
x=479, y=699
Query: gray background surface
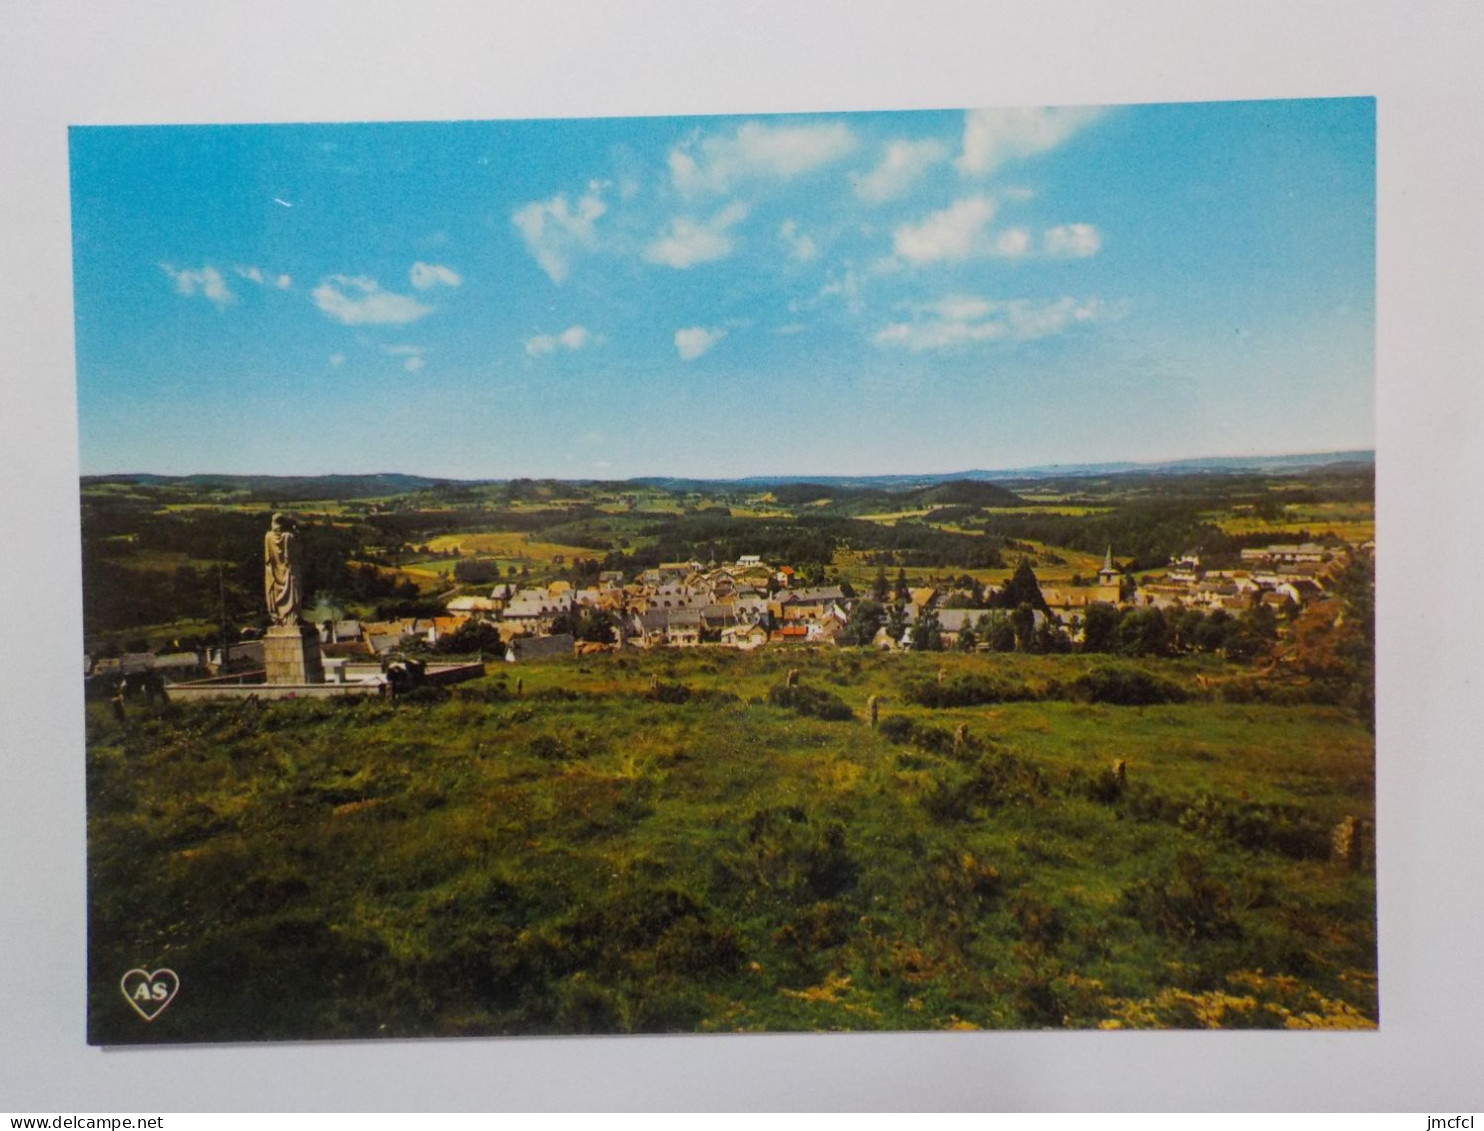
x=271, y=60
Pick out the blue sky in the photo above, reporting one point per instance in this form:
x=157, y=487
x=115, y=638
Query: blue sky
x=817, y=294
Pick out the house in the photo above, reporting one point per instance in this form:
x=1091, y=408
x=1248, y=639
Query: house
x=750, y=606
x=381, y=643
x=817, y=596
x=953, y=622
x=744, y=637
x=1287, y=553
x=885, y=641
x=336, y=631
x=1185, y=569
x=524, y=648
x=714, y=618
x=536, y=609
x=653, y=628
x=675, y=596
x=473, y=606
x=447, y=626
x=683, y=628
x=1067, y=603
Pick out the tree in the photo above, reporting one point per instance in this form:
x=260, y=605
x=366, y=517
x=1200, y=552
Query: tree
x=1144, y=632
x=1100, y=630
x=1049, y=638
x=1023, y=621
x=594, y=627
x=927, y=633
x=1021, y=589
x=1211, y=634
x=471, y=636
x=997, y=631
x=880, y=587
x=865, y=621
x=896, y=622
x=903, y=593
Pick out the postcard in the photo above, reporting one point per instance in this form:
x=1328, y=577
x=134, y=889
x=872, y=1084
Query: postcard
x=884, y=571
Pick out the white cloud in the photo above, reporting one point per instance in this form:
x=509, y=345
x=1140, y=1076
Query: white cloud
x=693, y=341
x=572, y=338
x=963, y=320
x=992, y=137
x=425, y=275
x=337, y=360
x=800, y=246
x=262, y=278
x=957, y=232
x=962, y=231
x=412, y=355
x=1012, y=243
x=757, y=151
x=1075, y=241
x=903, y=163
x=685, y=242
x=554, y=229
x=207, y=280
x=791, y=328
x=846, y=287
x=373, y=306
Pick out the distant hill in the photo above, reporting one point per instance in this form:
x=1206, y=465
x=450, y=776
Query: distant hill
x=286, y=487
x=967, y=492
x=978, y=487
x=1296, y=462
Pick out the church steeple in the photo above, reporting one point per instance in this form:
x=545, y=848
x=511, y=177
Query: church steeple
x=1108, y=575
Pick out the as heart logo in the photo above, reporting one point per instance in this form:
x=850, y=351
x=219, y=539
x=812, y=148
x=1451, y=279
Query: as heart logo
x=148, y=993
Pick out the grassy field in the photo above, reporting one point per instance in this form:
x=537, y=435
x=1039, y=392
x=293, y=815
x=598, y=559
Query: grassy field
x=673, y=841
x=1354, y=522
x=851, y=566
x=513, y=545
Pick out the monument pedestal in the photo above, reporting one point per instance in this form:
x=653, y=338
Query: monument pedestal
x=291, y=654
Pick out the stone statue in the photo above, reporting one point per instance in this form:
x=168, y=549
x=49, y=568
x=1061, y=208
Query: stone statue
x=281, y=571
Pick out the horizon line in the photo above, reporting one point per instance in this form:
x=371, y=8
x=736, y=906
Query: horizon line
x=1068, y=465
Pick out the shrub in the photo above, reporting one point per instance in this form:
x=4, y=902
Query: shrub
x=661, y=692
x=995, y=780
x=481, y=692
x=1279, y=828
x=423, y=693
x=548, y=748
x=968, y=691
x=1187, y=905
x=1126, y=686
x=811, y=701
x=896, y=728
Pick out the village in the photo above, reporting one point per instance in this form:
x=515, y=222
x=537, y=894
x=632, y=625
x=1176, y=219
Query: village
x=750, y=604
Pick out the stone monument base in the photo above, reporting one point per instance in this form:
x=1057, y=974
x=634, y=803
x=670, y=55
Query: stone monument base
x=291, y=654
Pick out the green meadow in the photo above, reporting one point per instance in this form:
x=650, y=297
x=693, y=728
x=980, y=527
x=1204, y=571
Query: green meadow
x=679, y=841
